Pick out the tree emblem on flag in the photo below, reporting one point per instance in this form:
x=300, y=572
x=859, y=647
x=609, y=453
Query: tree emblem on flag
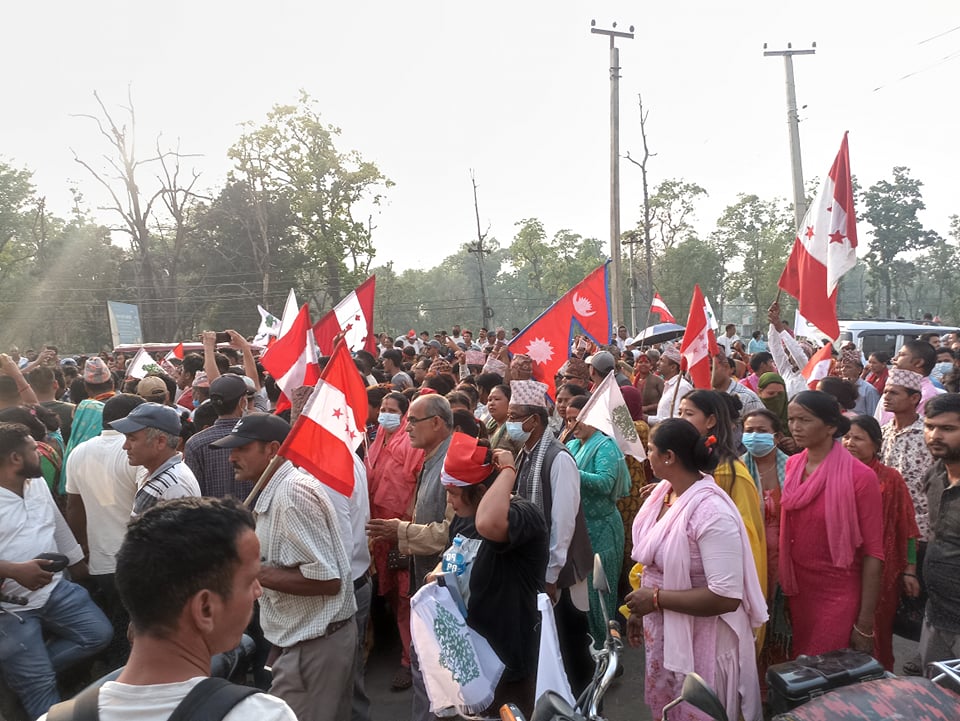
x=152, y=369
x=456, y=652
x=624, y=423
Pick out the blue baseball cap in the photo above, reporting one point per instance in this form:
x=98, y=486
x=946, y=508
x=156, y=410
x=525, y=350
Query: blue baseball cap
x=149, y=415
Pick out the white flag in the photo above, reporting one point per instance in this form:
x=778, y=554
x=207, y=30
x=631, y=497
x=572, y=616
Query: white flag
x=290, y=312
x=607, y=411
x=142, y=365
x=550, y=673
x=269, y=326
x=711, y=316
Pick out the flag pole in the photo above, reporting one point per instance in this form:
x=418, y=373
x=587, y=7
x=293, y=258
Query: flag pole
x=264, y=477
x=676, y=392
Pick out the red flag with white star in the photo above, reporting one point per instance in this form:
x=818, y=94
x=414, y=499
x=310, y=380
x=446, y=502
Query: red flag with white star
x=331, y=426
x=353, y=314
x=825, y=248
x=547, y=339
x=699, y=343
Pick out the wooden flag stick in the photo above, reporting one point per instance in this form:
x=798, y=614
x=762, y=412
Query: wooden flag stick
x=264, y=477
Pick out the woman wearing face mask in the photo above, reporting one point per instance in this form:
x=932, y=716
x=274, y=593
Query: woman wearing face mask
x=604, y=479
x=831, y=533
x=767, y=464
x=392, y=467
x=900, y=533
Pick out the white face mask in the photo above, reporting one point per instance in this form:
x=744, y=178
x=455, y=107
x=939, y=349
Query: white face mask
x=941, y=369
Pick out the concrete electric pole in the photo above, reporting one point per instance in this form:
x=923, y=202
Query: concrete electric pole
x=793, y=122
x=615, y=253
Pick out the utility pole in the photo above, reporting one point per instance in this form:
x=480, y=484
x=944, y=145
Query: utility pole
x=793, y=122
x=615, y=293
x=487, y=311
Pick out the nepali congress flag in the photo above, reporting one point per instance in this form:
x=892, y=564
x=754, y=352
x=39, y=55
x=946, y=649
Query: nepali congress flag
x=818, y=366
x=548, y=337
x=331, y=426
x=699, y=343
x=825, y=248
x=660, y=308
x=354, y=315
x=292, y=359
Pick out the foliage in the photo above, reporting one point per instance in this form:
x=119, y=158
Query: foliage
x=292, y=160
x=892, y=208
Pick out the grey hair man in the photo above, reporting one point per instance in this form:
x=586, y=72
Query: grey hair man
x=153, y=433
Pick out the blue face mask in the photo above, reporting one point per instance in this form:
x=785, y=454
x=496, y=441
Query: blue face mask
x=759, y=444
x=516, y=432
x=389, y=421
x=196, y=402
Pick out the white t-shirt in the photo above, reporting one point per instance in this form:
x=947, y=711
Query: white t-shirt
x=123, y=702
x=98, y=470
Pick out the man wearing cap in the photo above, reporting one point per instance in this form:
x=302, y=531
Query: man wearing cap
x=211, y=465
x=851, y=369
x=904, y=447
x=675, y=386
x=153, y=390
x=100, y=494
x=600, y=366
x=547, y=475
x=307, y=608
x=152, y=433
x=521, y=367
x=920, y=357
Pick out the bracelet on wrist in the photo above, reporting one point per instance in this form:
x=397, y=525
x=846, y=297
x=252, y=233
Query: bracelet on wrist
x=656, y=599
x=865, y=635
x=909, y=575
x=512, y=468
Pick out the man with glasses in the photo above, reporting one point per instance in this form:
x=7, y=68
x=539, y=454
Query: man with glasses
x=430, y=427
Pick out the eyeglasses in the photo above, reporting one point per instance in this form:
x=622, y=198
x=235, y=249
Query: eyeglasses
x=411, y=421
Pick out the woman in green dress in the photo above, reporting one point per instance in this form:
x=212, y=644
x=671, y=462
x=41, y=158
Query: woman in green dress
x=604, y=478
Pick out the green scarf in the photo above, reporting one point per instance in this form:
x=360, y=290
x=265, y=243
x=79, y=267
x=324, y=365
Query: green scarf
x=778, y=403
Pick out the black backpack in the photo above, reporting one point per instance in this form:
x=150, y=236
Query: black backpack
x=209, y=700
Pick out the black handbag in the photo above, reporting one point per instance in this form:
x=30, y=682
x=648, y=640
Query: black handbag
x=908, y=621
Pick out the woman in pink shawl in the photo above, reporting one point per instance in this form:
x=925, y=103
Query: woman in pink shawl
x=392, y=468
x=831, y=533
x=699, y=601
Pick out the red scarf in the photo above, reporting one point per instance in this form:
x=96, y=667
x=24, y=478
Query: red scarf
x=833, y=479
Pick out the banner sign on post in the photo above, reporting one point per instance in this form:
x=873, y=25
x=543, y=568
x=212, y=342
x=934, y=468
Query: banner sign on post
x=124, y=322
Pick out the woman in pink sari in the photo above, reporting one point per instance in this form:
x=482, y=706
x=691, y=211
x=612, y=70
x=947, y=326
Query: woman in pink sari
x=392, y=468
x=699, y=600
x=831, y=533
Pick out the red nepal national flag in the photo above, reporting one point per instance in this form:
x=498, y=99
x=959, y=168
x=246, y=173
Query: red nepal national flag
x=547, y=339
x=331, y=425
x=699, y=343
x=292, y=360
x=660, y=308
x=818, y=366
x=825, y=248
x=353, y=314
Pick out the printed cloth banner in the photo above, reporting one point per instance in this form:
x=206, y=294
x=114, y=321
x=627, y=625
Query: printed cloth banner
x=459, y=667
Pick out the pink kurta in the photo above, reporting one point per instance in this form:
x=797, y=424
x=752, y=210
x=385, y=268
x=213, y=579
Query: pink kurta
x=716, y=561
x=827, y=602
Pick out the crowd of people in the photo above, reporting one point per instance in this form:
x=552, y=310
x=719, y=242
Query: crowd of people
x=770, y=518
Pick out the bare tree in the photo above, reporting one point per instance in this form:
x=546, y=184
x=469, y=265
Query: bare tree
x=157, y=240
x=647, y=213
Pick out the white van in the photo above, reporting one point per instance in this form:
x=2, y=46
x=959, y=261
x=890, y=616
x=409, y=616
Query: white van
x=871, y=336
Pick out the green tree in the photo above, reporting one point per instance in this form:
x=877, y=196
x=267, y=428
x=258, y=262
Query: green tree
x=16, y=219
x=681, y=267
x=292, y=159
x=754, y=235
x=673, y=206
x=892, y=207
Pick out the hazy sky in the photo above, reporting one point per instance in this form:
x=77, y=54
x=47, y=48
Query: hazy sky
x=517, y=91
